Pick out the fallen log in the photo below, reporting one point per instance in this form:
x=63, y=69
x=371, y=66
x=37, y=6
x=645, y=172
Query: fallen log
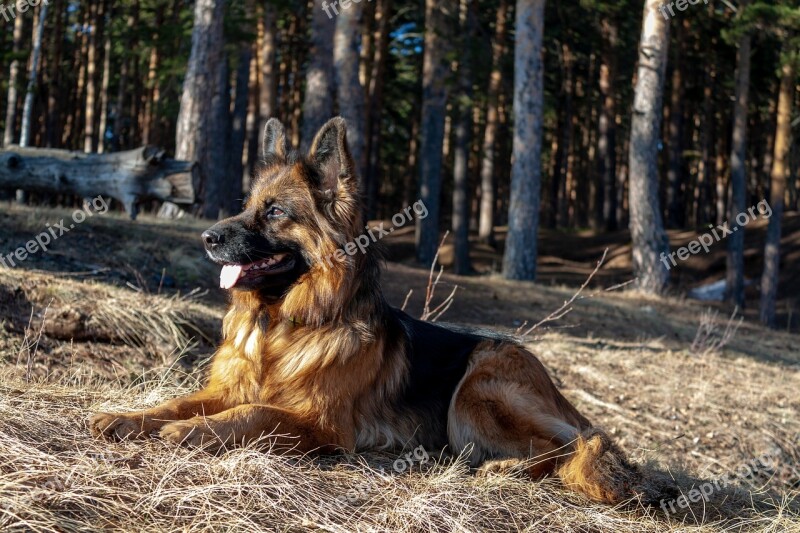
x=129, y=177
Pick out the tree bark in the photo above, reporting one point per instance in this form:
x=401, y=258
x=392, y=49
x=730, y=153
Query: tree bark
x=348, y=86
x=27, y=108
x=490, y=151
x=151, y=86
x=780, y=169
x=76, y=133
x=560, y=190
x=735, y=257
x=410, y=183
x=252, y=122
x=607, y=127
x=56, y=102
x=268, y=84
x=129, y=176
x=675, y=212
x=463, y=129
x=435, y=68
x=519, y=261
x=650, y=243
x=708, y=128
x=233, y=188
x=218, y=182
x=104, y=84
x=377, y=78
x=122, y=88
x=89, y=139
x=13, y=83
x=195, y=132
x=318, y=101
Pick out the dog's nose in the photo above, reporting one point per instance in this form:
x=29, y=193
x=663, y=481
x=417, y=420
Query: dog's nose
x=211, y=238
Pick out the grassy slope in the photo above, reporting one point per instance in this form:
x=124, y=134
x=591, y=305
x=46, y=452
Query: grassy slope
x=624, y=360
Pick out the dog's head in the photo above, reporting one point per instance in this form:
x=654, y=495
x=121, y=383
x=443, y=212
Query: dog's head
x=299, y=211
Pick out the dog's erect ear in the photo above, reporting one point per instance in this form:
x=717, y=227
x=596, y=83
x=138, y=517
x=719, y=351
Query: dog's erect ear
x=274, y=143
x=330, y=153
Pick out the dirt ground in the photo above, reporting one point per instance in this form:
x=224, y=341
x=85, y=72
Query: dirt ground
x=120, y=315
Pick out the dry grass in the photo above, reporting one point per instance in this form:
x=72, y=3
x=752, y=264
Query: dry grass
x=54, y=477
x=156, y=328
x=624, y=359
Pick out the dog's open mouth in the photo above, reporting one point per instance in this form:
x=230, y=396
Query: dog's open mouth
x=269, y=266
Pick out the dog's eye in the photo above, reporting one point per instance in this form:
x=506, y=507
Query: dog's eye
x=275, y=212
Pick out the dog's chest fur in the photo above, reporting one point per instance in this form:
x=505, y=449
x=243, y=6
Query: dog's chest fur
x=388, y=391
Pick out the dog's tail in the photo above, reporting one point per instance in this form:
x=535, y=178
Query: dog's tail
x=598, y=469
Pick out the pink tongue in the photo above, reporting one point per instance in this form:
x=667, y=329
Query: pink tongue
x=229, y=276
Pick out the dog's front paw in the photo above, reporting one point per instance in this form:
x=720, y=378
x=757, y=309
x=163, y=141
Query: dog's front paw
x=193, y=433
x=119, y=426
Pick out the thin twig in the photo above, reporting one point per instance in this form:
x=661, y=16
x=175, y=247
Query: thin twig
x=405, y=302
x=440, y=309
x=32, y=355
x=566, y=307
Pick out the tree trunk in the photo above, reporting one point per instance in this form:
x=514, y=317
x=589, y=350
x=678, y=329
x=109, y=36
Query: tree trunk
x=675, y=216
x=76, y=133
x=435, y=69
x=720, y=163
x=375, y=99
x=490, y=151
x=780, y=169
x=607, y=128
x=218, y=183
x=252, y=122
x=27, y=108
x=463, y=141
x=292, y=59
x=151, y=85
x=136, y=87
x=89, y=139
x=348, y=86
x=122, y=88
x=735, y=257
x=101, y=145
x=565, y=143
x=235, y=177
x=56, y=103
x=410, y=183
x=622, y=174
x=13, y=83
x=705, y=175
x=195, y=134
x=650, y=242
x=268, y=84
x=519, y=261
x=126, y=176
x=318, y=101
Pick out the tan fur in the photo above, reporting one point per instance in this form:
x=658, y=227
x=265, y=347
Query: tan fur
x=317, y=370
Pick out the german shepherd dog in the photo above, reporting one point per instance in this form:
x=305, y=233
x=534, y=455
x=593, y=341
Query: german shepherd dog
x=315, y=360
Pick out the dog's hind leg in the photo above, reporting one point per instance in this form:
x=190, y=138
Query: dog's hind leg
x=513, y=417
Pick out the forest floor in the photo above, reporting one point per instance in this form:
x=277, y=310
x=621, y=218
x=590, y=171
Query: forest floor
x=120, y=315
